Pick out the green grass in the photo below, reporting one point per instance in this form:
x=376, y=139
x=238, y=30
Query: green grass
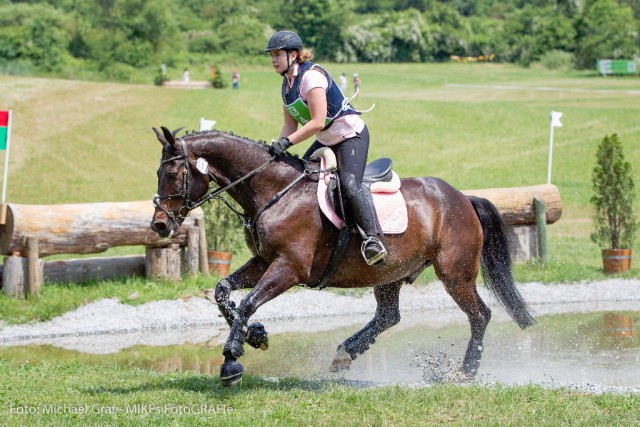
x=82, y=142
x=106, y=392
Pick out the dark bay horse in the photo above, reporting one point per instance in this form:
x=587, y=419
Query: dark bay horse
x=292, y=241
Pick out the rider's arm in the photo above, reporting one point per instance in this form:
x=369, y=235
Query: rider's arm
x=290, y=124
x=317, y=102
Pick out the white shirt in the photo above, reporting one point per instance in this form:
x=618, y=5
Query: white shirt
x=343, y=127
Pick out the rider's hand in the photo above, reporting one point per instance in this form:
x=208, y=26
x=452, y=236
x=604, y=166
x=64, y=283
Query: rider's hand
x=280, y=146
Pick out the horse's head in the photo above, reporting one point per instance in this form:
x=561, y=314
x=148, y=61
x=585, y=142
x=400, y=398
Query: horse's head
x=182, y=182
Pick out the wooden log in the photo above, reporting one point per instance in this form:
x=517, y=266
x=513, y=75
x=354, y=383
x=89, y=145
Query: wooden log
x=163, y=263
x=88, y=269
x=191, y=254
x=84, y=228
x=516, y=206
x=204, y=262
x=14, y=276
x=33, y=266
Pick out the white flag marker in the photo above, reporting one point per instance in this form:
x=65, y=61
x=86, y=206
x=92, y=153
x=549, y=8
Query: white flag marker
x=206, y=124
x=554, y=123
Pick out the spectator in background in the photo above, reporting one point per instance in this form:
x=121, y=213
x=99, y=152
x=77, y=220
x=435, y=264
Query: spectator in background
x=185, y=76
x=356, y=83
x=235, y=79
x=343, y=82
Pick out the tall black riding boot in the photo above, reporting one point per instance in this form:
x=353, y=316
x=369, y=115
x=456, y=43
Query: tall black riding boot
x=372, y=249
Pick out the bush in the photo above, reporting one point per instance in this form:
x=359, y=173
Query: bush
x=558, y=60
x=614, y=193
x=160, y=78
x=224, y=231
x=218, y=81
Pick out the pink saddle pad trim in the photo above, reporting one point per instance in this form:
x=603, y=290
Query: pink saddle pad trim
x=391, y=209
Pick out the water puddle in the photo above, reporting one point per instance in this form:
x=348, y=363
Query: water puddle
x=600, y=348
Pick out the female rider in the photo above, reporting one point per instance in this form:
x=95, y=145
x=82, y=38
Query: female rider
x=313, y=99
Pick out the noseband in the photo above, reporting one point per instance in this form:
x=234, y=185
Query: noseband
x=184, y=194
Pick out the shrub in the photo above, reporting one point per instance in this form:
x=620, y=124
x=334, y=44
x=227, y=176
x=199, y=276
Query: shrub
x=160, y=77
x=614, y=194
x=218, y=81
x=558, y=60
x=224, y=231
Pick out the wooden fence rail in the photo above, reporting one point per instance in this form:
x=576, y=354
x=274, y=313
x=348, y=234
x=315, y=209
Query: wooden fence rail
x=31, y=232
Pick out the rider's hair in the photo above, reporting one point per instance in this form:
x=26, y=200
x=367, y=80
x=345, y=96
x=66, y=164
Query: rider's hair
x=306, y=54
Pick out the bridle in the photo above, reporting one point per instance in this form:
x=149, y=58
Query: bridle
x=215, y=193
x=185, y=192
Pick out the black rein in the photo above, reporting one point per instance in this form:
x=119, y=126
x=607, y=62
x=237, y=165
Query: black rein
x=188, y=205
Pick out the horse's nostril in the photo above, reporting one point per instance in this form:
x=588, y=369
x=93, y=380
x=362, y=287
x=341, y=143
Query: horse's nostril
x=159, y=226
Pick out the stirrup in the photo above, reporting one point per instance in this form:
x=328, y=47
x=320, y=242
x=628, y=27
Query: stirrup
x=380, y=251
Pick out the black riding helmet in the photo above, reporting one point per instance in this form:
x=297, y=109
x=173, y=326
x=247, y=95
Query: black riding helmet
x=284, y=40
x=287, y=41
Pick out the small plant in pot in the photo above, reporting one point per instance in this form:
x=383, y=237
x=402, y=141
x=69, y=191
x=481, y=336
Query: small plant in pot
x=224, y=235
x=614, y=218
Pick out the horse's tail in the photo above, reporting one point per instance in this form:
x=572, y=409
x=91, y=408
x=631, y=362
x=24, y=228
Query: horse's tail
x=496, y=262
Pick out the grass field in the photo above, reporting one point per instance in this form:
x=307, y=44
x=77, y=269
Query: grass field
x=474, y=125
x=72, y=393
x=77, y=142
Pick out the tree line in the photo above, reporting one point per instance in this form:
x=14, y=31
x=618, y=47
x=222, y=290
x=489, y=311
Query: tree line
x=111, y=35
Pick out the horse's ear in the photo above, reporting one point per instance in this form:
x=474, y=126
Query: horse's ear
x=176, y=131
x=160, y=136
x=168, y=136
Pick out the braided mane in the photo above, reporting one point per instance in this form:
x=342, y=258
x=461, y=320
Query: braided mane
x=259, y=143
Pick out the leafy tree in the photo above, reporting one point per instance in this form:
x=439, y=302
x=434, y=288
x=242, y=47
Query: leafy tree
x=449, y=32
x=531, y=32
x=244, y=35
x=125, y=31
x=392, y=36
x=319, y=23
x=606, y=29
x=36, y=33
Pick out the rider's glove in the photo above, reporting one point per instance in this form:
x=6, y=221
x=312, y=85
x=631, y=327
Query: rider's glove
x=280, y=146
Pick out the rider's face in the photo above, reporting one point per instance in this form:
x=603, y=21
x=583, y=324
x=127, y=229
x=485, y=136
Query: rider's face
x=279, y=60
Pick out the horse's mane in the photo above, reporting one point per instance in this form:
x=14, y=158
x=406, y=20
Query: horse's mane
x=288, y=158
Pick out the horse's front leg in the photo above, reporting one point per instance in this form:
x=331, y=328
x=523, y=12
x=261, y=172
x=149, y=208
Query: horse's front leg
x=245, y=277
x=279, y=277
x=387, y=315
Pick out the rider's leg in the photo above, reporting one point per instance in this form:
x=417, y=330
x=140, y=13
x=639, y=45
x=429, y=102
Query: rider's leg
x=352, y=159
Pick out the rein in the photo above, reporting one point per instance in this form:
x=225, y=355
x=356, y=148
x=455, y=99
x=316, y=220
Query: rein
x=184, y=194
x=188, y=205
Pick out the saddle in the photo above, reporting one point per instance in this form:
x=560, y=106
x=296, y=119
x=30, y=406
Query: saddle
x=390, y=210
x=382, y=184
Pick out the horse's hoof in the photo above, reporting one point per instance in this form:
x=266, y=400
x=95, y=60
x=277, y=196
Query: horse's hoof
x=257, y=336
x=342, y=360
x=461, y=376
x=231, y=373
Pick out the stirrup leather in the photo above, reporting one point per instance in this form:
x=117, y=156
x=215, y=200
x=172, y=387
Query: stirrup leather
x=377, y=257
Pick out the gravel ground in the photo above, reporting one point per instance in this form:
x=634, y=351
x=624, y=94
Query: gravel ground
x=195, y=320
x=111, y=317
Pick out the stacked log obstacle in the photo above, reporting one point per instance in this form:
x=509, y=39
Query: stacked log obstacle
x=31, y=232
x=526, y=211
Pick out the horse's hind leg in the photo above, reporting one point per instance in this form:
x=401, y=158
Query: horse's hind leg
x=387, y=315
x=459, y=279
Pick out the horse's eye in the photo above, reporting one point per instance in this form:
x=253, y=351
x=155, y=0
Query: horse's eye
x=172, y=175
